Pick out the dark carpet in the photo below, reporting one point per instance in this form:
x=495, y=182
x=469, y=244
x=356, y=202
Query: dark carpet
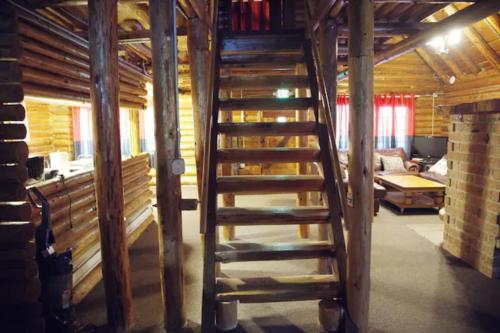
x=416, y=287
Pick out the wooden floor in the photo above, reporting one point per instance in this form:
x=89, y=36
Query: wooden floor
x=415, y=286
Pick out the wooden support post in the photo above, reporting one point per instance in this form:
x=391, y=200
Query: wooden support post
x=168, y=186
x=304, y=230
x=360, y=197
x=107, y=161
x=328, y=58
x=198, y=64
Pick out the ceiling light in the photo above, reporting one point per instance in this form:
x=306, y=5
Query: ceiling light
x=283, y=93
x=281, y=119
x=441, y=43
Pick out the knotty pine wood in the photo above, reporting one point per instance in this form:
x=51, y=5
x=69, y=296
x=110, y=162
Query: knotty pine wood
x=50, y=128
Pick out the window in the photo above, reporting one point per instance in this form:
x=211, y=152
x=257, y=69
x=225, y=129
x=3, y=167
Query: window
x=83, y=132
x=394, y=121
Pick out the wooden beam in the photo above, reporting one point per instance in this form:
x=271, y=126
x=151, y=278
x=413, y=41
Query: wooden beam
x=477, y=40
x=328, y=42
x=168, y=187
x=198, y=64
x=427, y=58
x=465, y=17
x=360, y=193
x=321, y=11
x=391, y=28
x=141, y=36
x=107, y=162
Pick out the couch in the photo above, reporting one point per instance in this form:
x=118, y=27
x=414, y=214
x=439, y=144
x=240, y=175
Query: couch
x=410, y=167
x=437, y=172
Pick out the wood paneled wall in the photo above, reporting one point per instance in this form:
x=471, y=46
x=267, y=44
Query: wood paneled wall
x=50, y=128
x=473, y=88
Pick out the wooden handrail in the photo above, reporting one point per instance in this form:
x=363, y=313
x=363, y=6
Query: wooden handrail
x=325, y=101
x=211, y=115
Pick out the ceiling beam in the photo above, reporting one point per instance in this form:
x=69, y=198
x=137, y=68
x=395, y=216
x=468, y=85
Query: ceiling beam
x=141, y=36
x=462, y=18
x=382, y=29
x=434, y=66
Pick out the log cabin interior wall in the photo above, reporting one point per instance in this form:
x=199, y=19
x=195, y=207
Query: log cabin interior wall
x=50, y=128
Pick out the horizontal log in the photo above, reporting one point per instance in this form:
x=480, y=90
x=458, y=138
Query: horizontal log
x=45, y=92
x=19, y=292
x=12, y=191
x=53, y=53
x=15, y=172
x=18, y=273
x=10, y=46
x=15, y=211
x=10, y=71
x=12, y=131
x=37, y=61
x=16, y=233
x=24, y=253
x=11, y=93
x=13, y=152
x=12, y=112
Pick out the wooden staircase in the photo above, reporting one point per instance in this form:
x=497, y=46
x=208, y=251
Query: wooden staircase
x=273, y=51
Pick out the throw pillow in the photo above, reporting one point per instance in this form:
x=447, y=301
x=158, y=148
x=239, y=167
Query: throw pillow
x=393, y=163
x=377, y=162
x=441, y=167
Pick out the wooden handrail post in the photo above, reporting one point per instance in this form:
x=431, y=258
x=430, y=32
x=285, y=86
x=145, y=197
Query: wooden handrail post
x=168, y=185
x=107, y=160
x=198, y=64
x=328, y=58
x=360, y=160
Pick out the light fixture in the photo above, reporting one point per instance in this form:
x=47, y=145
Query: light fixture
x=281, y=119
x=452, y=79
x=282, y=93
x=442, y=43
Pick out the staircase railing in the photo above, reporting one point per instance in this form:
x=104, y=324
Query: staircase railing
x=208, y=177
x=326, y=108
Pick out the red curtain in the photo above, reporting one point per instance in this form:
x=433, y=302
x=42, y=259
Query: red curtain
x=394, y=121
x=250, y=15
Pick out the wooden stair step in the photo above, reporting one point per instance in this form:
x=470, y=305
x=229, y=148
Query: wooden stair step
x=262, y=43
x=265, y=104
x=234, y=216
x=277, y=289
x=258, y=155
x=269, y=184
x=265, y=60
x=265, y=82
x=238, y=252
x=268, y=129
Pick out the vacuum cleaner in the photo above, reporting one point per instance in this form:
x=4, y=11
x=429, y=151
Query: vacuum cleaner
x=55, y=274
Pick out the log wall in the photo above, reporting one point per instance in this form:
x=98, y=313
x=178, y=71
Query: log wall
x=50, y=128
x=20, y=310
x=472, y=220
x=74, y=217
x=55, y=64
x=473, y=88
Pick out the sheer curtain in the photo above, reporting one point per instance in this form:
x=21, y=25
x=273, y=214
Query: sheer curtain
x=83, y=136
x=342, y=125
x=394, y=121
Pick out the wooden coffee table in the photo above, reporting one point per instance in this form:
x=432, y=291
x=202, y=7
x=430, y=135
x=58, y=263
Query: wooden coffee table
x=409, y=191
